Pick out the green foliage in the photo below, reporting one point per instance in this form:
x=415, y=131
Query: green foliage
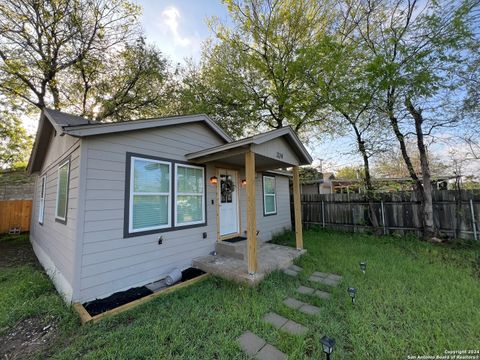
x=15, y=143
x=86, y=57
x=309, y=173
x=256, y=68
x=350, y=172
x=400, y=295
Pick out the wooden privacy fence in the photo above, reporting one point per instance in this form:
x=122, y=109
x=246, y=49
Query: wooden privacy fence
x=15, y=214
x=456, y=213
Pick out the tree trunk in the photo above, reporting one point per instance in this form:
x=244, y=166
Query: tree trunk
x=411, y=170
x=368, y=179
x=427, y=208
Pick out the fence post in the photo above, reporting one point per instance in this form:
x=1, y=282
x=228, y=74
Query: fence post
x=323, y=213
x=383, y=218
x=474, y=227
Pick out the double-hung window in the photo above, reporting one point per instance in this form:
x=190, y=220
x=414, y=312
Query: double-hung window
x=41, y=208
x=150, y=194
x=189, y=195
x=62, y=192
x=269, y=195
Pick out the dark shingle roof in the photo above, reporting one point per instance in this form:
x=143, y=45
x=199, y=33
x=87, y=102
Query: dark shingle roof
x=63, y=119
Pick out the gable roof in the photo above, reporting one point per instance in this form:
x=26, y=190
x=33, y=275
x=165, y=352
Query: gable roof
x=286, y=132
x=77, y=126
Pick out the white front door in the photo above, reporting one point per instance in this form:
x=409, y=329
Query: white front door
x=228, y=202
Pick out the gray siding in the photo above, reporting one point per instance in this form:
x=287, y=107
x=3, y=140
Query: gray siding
x=270, y=224
x=109, y=262
x=55, y=239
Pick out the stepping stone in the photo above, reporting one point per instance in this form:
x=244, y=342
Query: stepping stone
x=301, y=306
x=309, y=309
x=270, y=352
x=294, y=328
x=325, y=281
x=255, y=346
x=334, y=277
x=284, y=324
x=290, y=272
x=275, y=320
x=322, y=294
x=295, y=268
x=320, y=274
x=250, y=343
x=293, y=303
x=305, y=290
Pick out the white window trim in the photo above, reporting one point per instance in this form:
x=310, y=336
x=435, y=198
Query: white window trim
x=132, y=193
x=177, y=224
x=41, y=208
x=65, y=163
x=265, y=212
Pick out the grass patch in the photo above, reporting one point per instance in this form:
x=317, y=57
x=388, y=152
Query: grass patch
x=416, y=299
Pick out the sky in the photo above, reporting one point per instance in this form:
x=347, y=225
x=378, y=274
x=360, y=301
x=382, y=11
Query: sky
x=178, y=28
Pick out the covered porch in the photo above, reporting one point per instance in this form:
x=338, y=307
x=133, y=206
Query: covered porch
x=270, y=151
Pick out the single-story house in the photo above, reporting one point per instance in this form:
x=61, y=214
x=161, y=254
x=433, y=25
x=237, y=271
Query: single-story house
x=118, y=205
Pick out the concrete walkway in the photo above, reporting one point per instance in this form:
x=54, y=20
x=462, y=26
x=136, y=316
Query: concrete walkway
x=258, y=348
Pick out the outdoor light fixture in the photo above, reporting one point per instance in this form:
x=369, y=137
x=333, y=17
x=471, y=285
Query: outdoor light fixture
x=214, y=180
x=328, y=345
x=363, y=266
x=244, y=182
x=352, y=291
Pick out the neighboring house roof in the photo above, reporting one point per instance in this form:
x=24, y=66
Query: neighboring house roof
x=286, y=132
x=78, y=126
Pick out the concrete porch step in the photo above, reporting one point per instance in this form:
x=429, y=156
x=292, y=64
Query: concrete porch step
x=234, y=250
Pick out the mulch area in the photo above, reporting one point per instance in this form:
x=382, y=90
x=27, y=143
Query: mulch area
x=29, y=337
x=16, y=252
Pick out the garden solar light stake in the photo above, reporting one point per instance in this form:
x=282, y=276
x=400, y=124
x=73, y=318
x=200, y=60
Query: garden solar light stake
x=328, y=345
x=363, y=266
x=352, y=291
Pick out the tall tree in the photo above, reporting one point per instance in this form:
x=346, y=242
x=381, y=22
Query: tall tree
x=15, y=142
x=85, y=56
x=339, y=76
x=258, y=63
x=416, y=50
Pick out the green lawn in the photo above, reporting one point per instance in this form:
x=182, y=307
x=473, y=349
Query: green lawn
x=415, y=299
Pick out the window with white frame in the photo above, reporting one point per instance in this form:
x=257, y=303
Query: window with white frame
x=41, y=208
x=150, y=194
x=62, y=191
x=269, y=195
x=189, y=195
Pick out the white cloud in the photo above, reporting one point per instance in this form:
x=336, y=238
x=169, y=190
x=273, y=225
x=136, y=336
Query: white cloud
x=170, y=18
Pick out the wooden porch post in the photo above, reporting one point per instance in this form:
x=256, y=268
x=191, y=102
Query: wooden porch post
x=251, y=212
x=297, y=209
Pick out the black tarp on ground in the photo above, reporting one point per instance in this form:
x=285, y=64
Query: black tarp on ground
x=120, y=298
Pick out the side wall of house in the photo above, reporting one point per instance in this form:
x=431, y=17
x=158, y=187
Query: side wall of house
x=110, y=262
x=54, y=242
x=268, y=225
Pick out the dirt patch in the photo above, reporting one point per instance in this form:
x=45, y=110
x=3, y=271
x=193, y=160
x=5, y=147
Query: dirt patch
x=28, y=337
x=16, y=252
